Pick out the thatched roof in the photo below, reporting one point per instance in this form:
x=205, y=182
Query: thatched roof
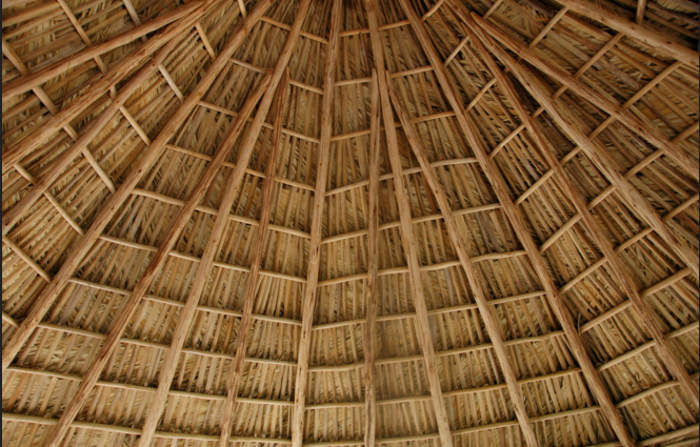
x=350, y=223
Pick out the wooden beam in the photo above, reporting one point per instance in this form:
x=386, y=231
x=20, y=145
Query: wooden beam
x=14, y=58
x=258, y=250
x=487, y=310
x=91, y=93
x=422, y=322
x=81, y=247
x=370, y=329
x=598, y=155
x=647, y=316
x=204, y=269
x=12, y=216
x=314, y=261
x=154, y=268
x=641, y=6
x=646, y=131
x=663, y=43
x=26, y=83
x=516, y=219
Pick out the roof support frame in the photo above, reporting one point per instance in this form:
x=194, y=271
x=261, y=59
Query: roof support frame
x=659, y=42
x=486, y=310
x=154, y=268
x=204, y=269
x=615, y=111
x=599, y=157
x=258, y=249
x=515, y=217
x=96, y=89
x=39, y=91
x=647, y=316
x=26, y=83
x=422, y=322
x=81, y=247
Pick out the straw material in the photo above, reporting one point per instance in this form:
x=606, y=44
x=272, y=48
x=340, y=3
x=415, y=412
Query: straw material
x=350, y=223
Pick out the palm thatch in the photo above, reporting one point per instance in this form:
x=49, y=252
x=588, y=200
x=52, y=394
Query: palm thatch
x=350, y=223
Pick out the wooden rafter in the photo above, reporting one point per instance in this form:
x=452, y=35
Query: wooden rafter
x=408, y=240
x=600, y=157
x=81, y=247
x=620, y=113
x=516, y=219
x=154, y=268
x=35, y=79
x=257, y=250
x=204, y=269
x=648, y=36
x=648, y=317
x=314, y=261
x=12, y=216
x=93, y=91
x=581, y=295
x=370, y=334
x=486, y=310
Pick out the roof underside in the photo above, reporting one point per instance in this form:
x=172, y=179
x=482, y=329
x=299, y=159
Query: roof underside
x=350, y=222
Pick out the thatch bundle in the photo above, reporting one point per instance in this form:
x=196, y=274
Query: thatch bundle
x=350, y=223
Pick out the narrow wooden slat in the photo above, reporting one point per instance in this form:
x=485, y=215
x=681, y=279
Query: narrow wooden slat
x=641, y=6
x=314, y=259
x=553, y=21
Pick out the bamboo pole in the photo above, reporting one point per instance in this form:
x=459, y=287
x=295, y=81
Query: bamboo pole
x=314, y=260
